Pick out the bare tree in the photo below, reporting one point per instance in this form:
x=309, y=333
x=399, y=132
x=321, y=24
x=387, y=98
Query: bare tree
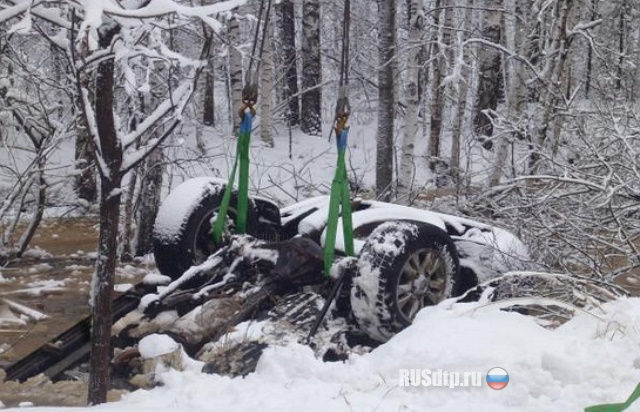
x=386, y=98
x=266, y=87
x=437, y=75
x=287, y=36
x=407, y=161
x=490, y=74
x=311, y=114
x=235, y=72
x=461, y=82
x=553, y=78
x=509, y=128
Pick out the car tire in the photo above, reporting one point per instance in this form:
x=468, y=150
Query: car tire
x=182, y=234
x=403, y=267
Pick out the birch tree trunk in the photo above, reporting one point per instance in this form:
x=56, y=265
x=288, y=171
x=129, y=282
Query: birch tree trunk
x=235, y=73
x=267, y=87
x=126, y=247
x=512, y=77
x=289, y=60
x=461, y=97
x=407, y=162
x=386, y=102
x=437, y=91
x=130, y=196
x=311, y=115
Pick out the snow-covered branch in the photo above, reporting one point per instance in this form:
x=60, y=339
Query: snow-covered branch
x=158, y=8
x=173, y=104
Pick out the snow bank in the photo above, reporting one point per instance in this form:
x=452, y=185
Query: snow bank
x=591, y=359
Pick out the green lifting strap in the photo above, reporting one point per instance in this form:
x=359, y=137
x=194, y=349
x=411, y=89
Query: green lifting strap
x=616, y=407
x=242, y=160
x=339, y=201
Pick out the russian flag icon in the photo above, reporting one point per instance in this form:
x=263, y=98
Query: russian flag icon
x=497, y=378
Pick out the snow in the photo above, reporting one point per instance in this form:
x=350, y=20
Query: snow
x=31, y=313
x=155, y=278
x=155, y=345
x=23, y=26
x=589, y=360
x=159, y=7
x=41, y=287
x=179, y=205
x=122, y=287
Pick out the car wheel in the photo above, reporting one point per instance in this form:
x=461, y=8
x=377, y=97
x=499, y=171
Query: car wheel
x=403, y=267
x=183, y=229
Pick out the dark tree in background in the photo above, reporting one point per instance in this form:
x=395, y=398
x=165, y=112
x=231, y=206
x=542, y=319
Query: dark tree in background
x=489, y=76
x=386, y=97
x=149, y=201
x=311, y=115
x=289, y=60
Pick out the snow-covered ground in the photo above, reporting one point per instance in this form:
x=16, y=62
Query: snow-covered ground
x=593, y=358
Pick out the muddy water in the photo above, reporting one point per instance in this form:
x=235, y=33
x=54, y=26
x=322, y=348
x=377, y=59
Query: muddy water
x=54, y=278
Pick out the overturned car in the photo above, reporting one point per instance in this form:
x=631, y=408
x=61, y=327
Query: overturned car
x=406, y=259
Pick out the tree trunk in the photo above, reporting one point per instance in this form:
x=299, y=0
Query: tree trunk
x=490, y=75
x=41, y=198
x=126, y=252
x=386, y=102
x=589, y=63
x=267, y=87
x=513, y=98
x=557, y=50
x=288, y=44
x=407, y=162
x=461, y=99
x=440, y=36
x=235, y=73
x=311, y=115
x=103, y=280
x=208, y=106
x=149, y=201
x=85, y=182
x=635, y=72
x=622, y=33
